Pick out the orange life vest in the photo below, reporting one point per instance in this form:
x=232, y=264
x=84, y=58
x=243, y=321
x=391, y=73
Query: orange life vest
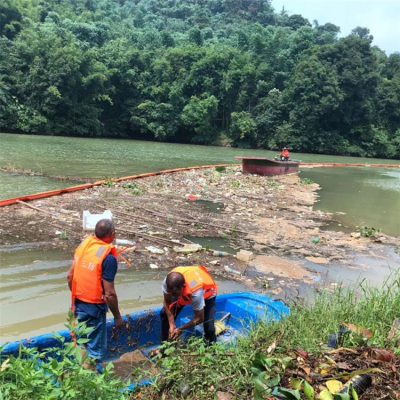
x=87, y=284
x=285, y=153
x=196, y=277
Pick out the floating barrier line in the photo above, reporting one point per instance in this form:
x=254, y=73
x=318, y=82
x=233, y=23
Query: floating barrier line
x=56, y=192
x=75, y=188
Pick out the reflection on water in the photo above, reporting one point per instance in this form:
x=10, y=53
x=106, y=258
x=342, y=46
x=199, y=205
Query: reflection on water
x=13, y=185
x=368, y=196
x=213, y=243
x=34, y=296
x=374, y=270
x=210, y=205
x=99, y=158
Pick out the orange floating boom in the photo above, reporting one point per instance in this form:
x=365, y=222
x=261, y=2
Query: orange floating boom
x=70, y=189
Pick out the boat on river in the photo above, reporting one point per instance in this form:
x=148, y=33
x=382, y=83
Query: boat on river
x=268, y=166
x=141, y=330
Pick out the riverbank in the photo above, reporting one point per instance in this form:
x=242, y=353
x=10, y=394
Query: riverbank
x=273, y=218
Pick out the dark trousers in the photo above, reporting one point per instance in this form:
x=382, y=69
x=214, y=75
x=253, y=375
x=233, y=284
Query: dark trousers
x=208, y=324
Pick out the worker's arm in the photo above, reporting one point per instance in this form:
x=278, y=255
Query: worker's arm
x=196, y=320
x=112, y=301
x=70, y=276
x=167, y=302
x=198, y=304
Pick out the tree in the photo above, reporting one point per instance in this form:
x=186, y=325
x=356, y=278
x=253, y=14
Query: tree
x=362, y=33
x=198, y=116
x=243, y=129
x=10, y=19
x=195, y=36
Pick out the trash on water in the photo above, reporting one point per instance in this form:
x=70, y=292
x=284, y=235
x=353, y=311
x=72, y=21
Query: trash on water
x=154, y=233
x=190, y=197
x=245, y=255
x=124, y=242
x=89, y=220
x=216, y=253
x=154, y=250
x=188, y=248
x=231, y=271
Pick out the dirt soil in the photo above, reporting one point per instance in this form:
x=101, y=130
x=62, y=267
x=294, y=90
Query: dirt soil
x=272, y=217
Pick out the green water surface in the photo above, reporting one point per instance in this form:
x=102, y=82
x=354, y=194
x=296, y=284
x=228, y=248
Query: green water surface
x=367, y=195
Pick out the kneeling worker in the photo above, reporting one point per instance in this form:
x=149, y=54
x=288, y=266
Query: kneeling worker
x=91, y=281
x=183, y=286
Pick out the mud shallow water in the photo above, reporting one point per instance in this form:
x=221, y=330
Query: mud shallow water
x=34, y=296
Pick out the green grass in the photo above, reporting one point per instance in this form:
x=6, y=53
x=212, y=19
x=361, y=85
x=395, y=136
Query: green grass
x=367, y=231
x=306, y=181
x=307, y=327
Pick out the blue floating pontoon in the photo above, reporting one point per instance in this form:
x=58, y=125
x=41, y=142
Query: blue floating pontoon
x=141, y=330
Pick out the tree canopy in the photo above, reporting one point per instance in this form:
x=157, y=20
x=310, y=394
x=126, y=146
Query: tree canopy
x=195, y=72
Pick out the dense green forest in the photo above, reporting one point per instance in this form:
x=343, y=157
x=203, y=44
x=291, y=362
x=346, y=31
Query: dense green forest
x=198, y=71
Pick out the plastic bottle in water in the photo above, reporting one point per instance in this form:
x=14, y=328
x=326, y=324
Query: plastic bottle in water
x=220, y=253
x=124, y=242
x=232, y=271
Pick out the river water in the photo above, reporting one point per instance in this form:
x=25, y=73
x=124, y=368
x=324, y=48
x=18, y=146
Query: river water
x=33, y=292
x=368, y=196
x=34, y=296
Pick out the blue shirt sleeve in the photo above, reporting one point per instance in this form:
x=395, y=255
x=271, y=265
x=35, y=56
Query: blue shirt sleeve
x=110, y=267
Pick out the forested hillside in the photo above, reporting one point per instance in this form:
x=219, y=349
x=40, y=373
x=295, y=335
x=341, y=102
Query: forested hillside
x=199, y=71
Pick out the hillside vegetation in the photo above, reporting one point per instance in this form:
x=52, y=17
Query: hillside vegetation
x=202, y=71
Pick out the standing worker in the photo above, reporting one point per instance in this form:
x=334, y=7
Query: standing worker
x=91, y=281
x=285, y=154
x=183, y=286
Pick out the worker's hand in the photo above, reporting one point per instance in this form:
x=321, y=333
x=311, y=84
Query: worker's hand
x=118, y=321
x=175, y=334
x=172, y=328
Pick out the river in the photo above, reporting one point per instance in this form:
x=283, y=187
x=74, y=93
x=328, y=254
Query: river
x=33, y=292
x=368, y=196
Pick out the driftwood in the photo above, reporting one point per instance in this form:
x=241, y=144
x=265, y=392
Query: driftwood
x=50, y=214
x=158, y=240
x=34, y=208
x=190, y=220
x=134, y=216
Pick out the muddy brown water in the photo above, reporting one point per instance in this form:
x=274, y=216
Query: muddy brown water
x=34, y=296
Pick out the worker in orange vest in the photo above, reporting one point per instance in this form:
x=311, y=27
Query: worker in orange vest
x=285, y=154
x=183, y=286
x=91, y=281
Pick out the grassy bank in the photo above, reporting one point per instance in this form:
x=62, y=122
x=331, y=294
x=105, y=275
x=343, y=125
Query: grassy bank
x=265, y=358
x=270, y=348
